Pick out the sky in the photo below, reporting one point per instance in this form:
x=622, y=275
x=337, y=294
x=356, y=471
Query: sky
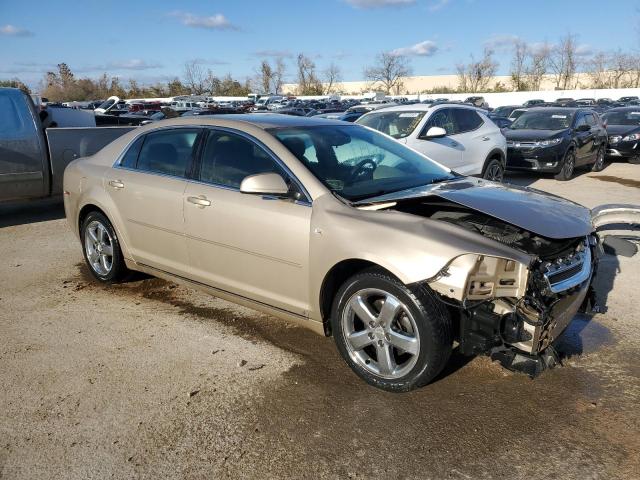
x=150, y=40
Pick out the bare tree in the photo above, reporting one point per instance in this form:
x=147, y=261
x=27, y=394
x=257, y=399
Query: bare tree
x=278, y=75
x=331, y=76
x=195, y=78
x=538, y=66
x=564, y=62
x=477, y=75
x=265, y=76
x=308, y=82
x=389, y=71
x=519, y=60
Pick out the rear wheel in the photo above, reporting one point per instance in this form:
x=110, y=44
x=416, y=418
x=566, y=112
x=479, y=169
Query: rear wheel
x=101, y=248
x=598, y=166
x=393, y=337
x=568, y=166
x=494, y=170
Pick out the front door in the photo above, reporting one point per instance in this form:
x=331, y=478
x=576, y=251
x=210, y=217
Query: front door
x=250, y=245
x=148, y=188
x=446, y=150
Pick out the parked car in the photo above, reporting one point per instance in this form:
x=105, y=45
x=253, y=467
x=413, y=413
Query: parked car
x=503, y=111
x=531, y=103
x=623, y=129
x=343, y=230
x=627, y=99
x=479, y=102
x=32, y=158
x=556, y=140
x=458, y=136
x=501, y=122
x=344, y=116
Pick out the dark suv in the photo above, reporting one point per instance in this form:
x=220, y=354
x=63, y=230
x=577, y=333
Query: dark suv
x=556, y=140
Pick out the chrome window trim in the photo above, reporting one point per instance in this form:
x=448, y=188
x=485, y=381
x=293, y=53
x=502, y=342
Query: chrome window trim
x=117, y=164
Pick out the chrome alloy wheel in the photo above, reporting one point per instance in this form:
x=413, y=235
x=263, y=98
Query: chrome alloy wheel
x=98, y=246
x=381, y=334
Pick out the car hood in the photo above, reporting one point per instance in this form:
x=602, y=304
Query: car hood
x=622, y=129
x=538, y=212
x=526, y=135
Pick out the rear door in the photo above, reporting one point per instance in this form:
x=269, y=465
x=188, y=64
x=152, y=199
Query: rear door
x=24, y=170
x=477, y=137
x=446, y=150
x=147, y=187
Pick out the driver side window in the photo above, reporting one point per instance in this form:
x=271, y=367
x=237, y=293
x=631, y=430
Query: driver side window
x=228, y=158
x=442, y=118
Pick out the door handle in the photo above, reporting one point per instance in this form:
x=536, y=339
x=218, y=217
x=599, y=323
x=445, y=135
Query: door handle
x=485, y=138
x=117, y=184
x=200, y=201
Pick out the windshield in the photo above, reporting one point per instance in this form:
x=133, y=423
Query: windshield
x=542, y=120
x=107, y=103
x=622, y=118
x=357, y=163
x=395, y=124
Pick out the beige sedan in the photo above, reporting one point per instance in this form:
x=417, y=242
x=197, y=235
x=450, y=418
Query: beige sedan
x=343, y=230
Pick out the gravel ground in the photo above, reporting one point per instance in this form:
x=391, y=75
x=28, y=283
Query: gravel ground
x=151, y=380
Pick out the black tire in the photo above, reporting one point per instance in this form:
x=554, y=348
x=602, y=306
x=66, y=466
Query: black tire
x=568, y=166
x=634, y=160
x=493, y=170
x=599, y=164
x=430, y=317
x=118, y=270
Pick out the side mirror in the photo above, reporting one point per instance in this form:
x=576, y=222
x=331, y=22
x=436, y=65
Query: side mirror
x=264, y=184
x=583, y=128
x=435, y=132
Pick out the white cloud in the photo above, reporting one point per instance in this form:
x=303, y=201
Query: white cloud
x=584, y=50
x=438, y=5
x=367, y=4
x=13, y=31
x=501, y=43
x=133, y=64
x=422, y=49
x=212, y=22
x=274, y=53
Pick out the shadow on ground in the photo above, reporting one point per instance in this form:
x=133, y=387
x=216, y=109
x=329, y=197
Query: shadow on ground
x=34, y=211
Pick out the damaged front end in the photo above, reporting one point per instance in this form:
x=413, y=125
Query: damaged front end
x=512, y=311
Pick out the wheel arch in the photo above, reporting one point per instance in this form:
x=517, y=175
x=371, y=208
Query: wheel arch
x=493, y=154
x=333, y=280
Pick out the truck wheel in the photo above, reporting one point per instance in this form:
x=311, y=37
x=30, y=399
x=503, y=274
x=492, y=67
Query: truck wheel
x=493, y=170
x=599, y=165
x=101, y=249
x=393, y=337
x=568, y=166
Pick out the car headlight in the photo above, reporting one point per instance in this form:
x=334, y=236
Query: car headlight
x=631, y=138
x=548, y=143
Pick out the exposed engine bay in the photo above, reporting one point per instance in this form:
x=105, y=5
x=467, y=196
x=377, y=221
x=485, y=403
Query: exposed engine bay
x=513, y=312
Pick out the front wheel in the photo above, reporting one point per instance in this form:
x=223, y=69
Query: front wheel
x=101, y=248
x=568, y=166
x=393, y=337
x=494, y=170
x=598, y=166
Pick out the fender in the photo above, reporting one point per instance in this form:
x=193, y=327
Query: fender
x=615, y=214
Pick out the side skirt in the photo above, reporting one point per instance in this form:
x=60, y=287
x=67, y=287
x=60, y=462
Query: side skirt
x=300, y=320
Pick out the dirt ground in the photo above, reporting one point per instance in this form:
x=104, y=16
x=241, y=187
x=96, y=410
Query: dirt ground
x=151, y=380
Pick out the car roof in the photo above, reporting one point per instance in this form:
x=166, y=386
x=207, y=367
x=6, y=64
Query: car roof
x=425, y=107
x=260, y=120
x=623, y=109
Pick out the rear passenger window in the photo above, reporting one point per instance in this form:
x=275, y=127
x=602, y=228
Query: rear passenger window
x=466, y=119
x=168, y=152
x=130, y=158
